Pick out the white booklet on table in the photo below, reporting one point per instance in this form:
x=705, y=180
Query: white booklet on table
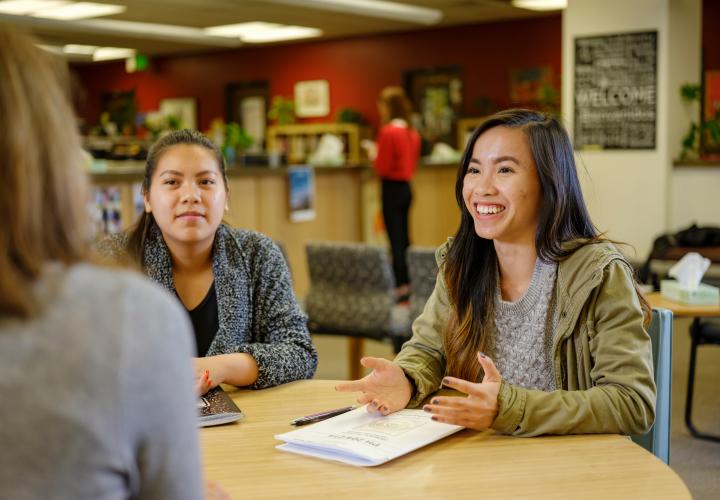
x=360, y=438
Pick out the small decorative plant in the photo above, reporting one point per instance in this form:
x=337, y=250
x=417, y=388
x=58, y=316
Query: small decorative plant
x=709, y=129
x=282, y=110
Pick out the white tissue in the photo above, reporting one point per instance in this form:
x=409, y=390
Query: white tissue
x=689, y=270
x=329, y=151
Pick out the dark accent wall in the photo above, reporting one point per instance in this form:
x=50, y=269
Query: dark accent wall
x=711, y=34
x=357, y=68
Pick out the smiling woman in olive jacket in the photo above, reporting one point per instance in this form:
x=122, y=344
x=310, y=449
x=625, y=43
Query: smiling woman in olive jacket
x=535, y=316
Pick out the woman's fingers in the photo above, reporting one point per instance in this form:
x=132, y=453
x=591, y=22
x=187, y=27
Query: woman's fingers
x=351, y=386
x=375, y=363
x=491, y=372
x=463, y=386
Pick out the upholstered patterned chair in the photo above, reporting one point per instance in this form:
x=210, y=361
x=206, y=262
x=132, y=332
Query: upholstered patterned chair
x=422, y=270
x=352, y=294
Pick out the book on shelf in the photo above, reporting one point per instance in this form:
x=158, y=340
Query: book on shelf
x=364, y=439
x=216, y=408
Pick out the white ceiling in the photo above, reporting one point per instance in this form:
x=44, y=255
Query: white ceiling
x=205, y=13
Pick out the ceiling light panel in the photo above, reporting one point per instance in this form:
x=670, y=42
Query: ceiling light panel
x=86, y=50
x=79, y=10
x=540, y=4
x=373, y=8
x=25, y=7
x=260, y=32
x=110, y=53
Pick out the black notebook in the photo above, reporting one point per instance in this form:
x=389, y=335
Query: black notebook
x=216, y=408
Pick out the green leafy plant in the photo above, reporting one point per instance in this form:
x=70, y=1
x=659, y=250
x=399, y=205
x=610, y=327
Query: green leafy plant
x=350, y=115
x=691, y=93
x=237, y=137
x=282, y=110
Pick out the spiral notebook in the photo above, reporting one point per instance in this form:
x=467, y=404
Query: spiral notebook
x=216, y=408
x=360, y=438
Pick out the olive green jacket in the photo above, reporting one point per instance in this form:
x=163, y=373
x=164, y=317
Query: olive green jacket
x=602, y=355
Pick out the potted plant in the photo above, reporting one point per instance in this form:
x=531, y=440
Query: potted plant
x=282, y=110
x=236, y=141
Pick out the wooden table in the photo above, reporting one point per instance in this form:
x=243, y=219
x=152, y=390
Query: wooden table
x=243, y=459
x=682, y=310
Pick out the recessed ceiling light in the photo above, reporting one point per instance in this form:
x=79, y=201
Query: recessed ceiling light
x=53, y=49
x=373, y=8
x=24, y=7
x=540, y=4
x=86, y=50
x=109, y=53
x=259, y=32
x=79, y=10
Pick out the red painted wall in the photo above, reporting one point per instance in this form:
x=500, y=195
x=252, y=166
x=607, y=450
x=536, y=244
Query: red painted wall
x=711, y=34
x=356, y=68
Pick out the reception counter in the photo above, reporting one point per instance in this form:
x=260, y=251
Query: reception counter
x=347, y=206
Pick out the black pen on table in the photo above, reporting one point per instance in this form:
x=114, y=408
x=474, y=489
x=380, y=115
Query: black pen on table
x=320, y=416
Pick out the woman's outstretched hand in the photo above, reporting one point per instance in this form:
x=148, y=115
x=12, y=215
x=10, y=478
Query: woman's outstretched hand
x=476, y=411
x=384, y=390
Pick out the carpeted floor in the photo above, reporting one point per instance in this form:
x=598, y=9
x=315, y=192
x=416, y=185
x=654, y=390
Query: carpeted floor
x=696, y=461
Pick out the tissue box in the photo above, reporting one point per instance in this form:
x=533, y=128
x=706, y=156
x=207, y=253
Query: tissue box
x=703, y=295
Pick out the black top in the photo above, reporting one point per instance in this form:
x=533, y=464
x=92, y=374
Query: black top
x=205, y=321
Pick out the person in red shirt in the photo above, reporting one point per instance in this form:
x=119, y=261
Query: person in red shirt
x=398, y=149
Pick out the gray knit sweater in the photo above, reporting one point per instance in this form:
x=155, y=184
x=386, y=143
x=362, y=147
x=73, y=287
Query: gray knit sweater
x=521, y=344
x=257, y=310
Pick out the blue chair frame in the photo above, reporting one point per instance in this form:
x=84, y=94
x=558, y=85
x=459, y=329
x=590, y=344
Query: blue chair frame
x=657, y=439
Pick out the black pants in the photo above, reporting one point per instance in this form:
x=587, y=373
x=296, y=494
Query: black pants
x=396, y=199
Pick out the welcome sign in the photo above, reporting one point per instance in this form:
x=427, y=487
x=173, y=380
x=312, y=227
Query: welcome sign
x=616, y=91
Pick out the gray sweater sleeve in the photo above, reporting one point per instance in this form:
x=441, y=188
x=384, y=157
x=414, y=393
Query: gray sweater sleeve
x=157, y=399
x=286, y=352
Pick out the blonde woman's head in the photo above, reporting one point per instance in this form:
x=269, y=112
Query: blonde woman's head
x=43, y=188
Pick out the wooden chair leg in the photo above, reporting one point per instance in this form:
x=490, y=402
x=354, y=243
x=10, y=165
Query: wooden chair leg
x=355, y=351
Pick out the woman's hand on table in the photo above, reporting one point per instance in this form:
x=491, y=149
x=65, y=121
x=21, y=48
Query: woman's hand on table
x=385, y=390
x=475, y=411
x=236, y=368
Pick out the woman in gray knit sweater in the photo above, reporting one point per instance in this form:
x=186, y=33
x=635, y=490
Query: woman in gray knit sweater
x=235, y=284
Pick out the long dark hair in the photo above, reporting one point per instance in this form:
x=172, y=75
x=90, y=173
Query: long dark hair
x=138, y=234
x=563, y=217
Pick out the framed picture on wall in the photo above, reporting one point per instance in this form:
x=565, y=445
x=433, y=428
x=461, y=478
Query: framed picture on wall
x=436, y=94
x=246, y=103
x=312, y=98
x=121, y=109
x=184, y=109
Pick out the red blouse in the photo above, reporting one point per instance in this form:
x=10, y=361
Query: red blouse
x=398, y=150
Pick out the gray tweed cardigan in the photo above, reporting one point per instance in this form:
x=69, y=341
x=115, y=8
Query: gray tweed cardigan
x=257, y=310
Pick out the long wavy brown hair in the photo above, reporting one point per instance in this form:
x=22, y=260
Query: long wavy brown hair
x=563, y=217
x=43, y=187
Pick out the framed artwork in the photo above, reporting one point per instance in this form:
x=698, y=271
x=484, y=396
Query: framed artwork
x=182, y=108
x=246, y=103
x=312, y=98
x=121, y=109
x=436, y=94
x=709, y=140
x=534, y=87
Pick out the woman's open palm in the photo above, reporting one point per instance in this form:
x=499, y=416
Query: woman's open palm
x=385, y=390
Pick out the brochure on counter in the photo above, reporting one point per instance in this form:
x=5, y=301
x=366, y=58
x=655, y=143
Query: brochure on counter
x=360, y=438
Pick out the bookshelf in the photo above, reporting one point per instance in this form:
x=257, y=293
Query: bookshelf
x=298, y=141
